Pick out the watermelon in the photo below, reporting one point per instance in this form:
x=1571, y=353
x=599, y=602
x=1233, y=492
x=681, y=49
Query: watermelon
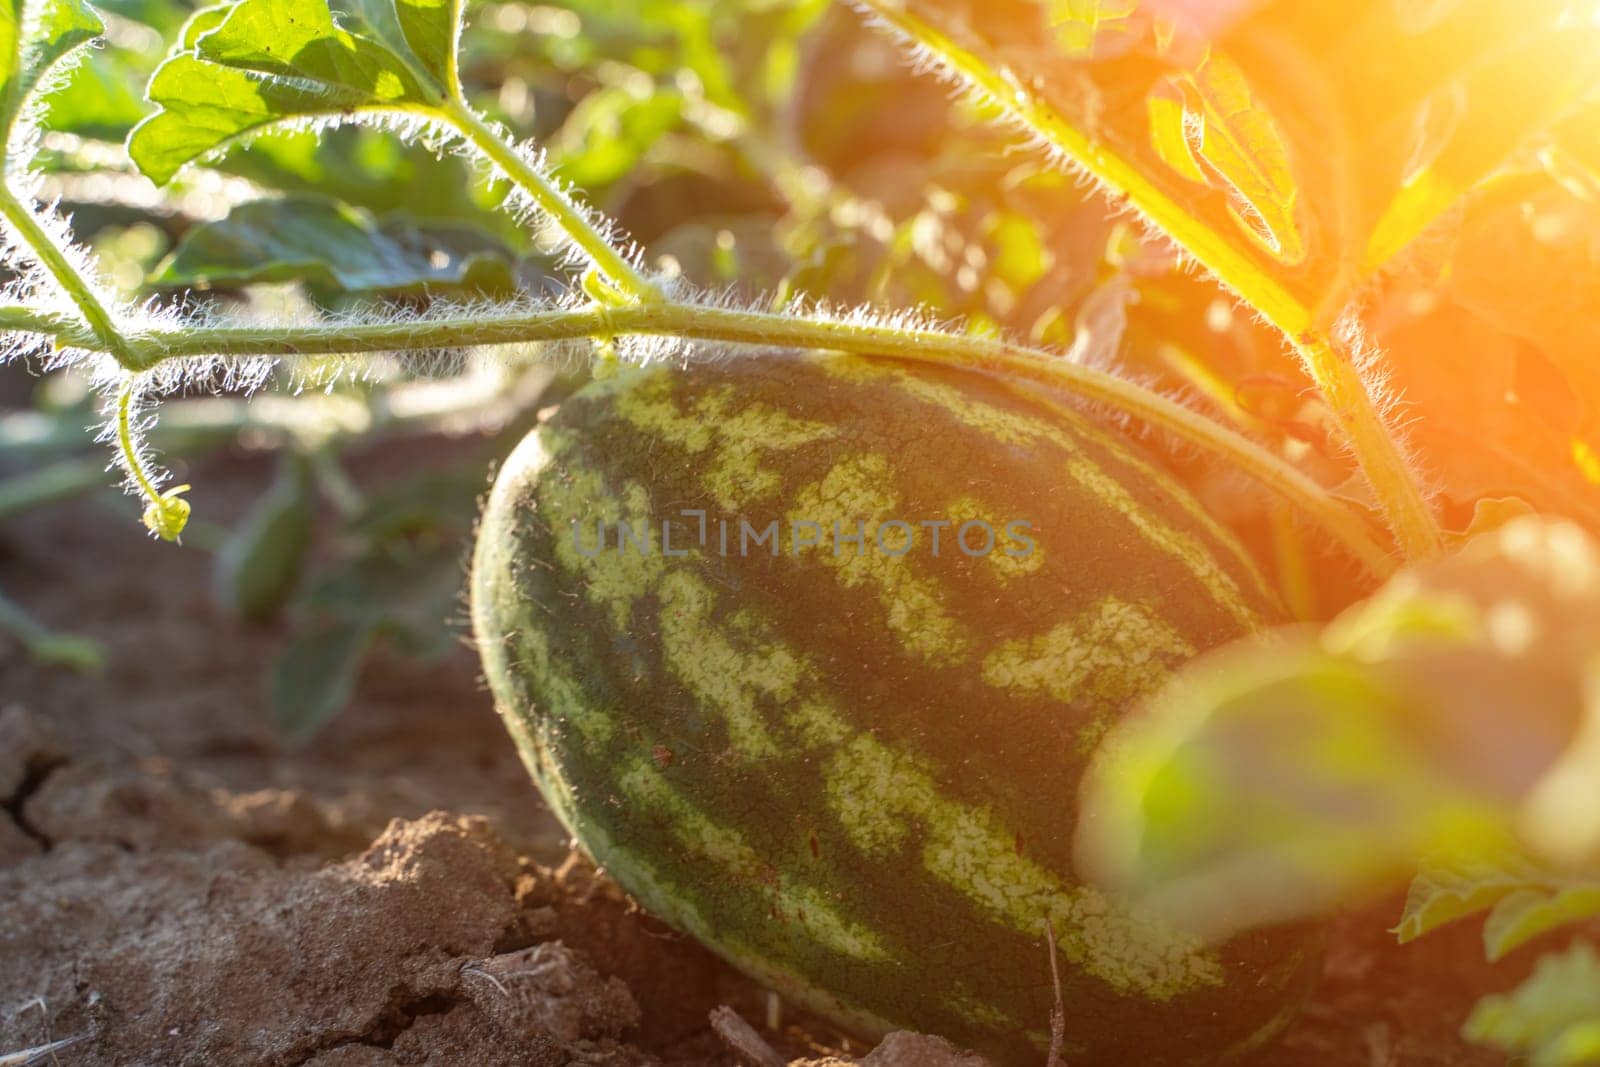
x=810, y=653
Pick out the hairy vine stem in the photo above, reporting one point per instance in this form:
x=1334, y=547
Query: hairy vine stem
x=165, y=514
x=125, y=443
x=554, y=202
x=738, y=326
x=52, y=258
x=1385, y=467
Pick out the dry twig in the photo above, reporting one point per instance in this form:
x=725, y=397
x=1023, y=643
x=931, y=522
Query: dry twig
x=742, y=1038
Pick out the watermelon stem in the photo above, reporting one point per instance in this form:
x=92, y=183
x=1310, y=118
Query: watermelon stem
x=817, y=329
x=593, y=237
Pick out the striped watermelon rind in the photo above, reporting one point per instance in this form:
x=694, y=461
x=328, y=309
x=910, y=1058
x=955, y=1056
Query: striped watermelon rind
x=853, y=773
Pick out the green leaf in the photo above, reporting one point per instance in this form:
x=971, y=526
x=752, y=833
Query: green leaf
x=406, y=578
x=608, y=133
x=426, y=30
x=100, y=98
x=372, y=169
x=316, y=675
x=1234, y=144
x=1270, y=783
x=312, y=239
x=1086, y=28
x=408, y=596
x=1091, y=114
x=401, y=582
x=300, y=40
x=1444, y=891
x=247, y=65
x=1470, y=126
x=1275, y=780
x=35, y=35
x=258, y=565
x=1167, y=106
x=45, y=645
x=1553, y=1017
x=1527, y=913
x=1523, y=899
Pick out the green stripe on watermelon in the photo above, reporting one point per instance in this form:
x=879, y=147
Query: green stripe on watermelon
x=856, y=778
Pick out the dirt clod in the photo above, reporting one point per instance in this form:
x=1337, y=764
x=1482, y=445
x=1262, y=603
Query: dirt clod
x=905, y=1049
x=218, y=956
x=677, y=978
x=285, y=822
x=139, y=807
x=14, y=844
x=29, y=753
x=549, y=991
x=28, y=748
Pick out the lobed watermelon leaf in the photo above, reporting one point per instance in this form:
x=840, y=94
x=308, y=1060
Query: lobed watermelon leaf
x=1230, y=141
x=1390, y=118
x=1522, y=897
x=314, y=239
x=1552, y=1019
x=375, y=170
x=1524, y=915
x=100, y=98
x=36, y=35
x=1445, y=890
x=250, y=64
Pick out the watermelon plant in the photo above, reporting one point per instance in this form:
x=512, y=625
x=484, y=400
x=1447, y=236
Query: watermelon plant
x=1328, y=356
